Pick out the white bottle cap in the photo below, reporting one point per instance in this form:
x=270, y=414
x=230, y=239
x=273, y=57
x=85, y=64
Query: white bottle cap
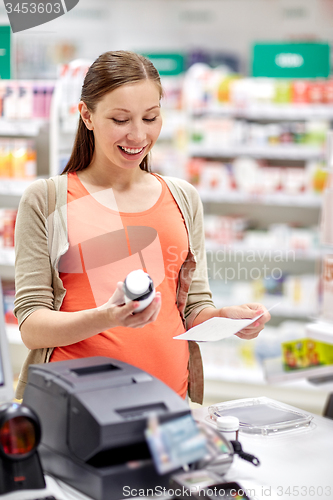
x=137, y=282
x=227, y=424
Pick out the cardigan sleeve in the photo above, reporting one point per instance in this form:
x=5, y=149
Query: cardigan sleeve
x=199, y=294
x=33, y=273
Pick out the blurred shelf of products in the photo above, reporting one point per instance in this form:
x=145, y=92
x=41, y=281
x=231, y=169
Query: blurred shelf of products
x=237, y=369
x=255, y=148
x=24, y=135
x=17, y=350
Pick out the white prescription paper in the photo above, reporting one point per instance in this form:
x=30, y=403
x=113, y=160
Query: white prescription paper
x=217, y=329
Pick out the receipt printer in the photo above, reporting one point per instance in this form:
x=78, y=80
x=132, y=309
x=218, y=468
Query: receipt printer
x=93, y=413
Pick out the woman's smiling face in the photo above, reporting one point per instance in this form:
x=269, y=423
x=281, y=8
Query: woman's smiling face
x=126, y=124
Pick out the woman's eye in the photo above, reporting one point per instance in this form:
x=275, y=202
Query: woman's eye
x=119, y=121
x=150, y=119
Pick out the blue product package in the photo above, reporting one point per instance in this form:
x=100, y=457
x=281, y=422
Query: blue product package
x=175, y=444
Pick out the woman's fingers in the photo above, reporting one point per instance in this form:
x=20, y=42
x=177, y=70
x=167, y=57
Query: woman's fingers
x=148, y=315
x=117, y=298
x=248, y=336
x=152, y=310
x=252, y=331
x=155, y=313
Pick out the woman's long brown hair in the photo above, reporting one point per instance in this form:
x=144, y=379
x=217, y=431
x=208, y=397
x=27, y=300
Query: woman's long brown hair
x=110, y=71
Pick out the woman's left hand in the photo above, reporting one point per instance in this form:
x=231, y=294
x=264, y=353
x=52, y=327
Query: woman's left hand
x=247, y=311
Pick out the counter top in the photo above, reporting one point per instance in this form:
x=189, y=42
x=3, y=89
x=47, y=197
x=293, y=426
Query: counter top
x=294, y=464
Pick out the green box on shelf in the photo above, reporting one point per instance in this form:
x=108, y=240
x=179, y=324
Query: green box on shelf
x=291, y=60
x=5, y=52
x=167, y=64
x=306, y=353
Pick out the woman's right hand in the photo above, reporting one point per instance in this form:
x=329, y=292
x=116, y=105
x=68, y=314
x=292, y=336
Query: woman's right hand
x=121, y=314
x=48, y=328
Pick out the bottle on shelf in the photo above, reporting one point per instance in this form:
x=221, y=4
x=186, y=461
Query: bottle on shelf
x=18, y=158
x=25, y=100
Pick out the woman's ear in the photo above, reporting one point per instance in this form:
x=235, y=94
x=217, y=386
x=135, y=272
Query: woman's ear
x=85, y=115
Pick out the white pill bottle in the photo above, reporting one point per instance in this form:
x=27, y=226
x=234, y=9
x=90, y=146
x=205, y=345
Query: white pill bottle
x=228, y=426
x=139, y=286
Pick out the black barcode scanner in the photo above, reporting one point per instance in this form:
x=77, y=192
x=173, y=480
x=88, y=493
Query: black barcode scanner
x=20, y=434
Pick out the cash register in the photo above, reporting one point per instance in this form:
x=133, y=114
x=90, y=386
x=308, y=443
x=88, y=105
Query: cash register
x=93, y=413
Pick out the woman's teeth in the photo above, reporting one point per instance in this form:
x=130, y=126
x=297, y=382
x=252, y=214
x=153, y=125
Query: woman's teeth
x=131, y=151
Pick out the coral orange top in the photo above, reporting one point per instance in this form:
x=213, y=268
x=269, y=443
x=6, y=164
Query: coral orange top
x=104, y=246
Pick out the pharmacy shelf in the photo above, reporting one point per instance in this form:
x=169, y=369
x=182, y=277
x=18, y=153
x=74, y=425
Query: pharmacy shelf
x=274, y=199
x=286, y=310
x=7, y=256
x=274, y=372
x=17, y=350
x=271, y=372
x=223, y=383
x=282, y=307
x=270, y=111
x=240, y=374
x=321, y=329
x=287, y=152
x=21, y=128
x=7, y=263
x=300, y=393
x=13, y=187
x=13, y=334
x=310, y=254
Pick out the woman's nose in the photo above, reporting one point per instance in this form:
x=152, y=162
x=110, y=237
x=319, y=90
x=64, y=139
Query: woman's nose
x=137, y=133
